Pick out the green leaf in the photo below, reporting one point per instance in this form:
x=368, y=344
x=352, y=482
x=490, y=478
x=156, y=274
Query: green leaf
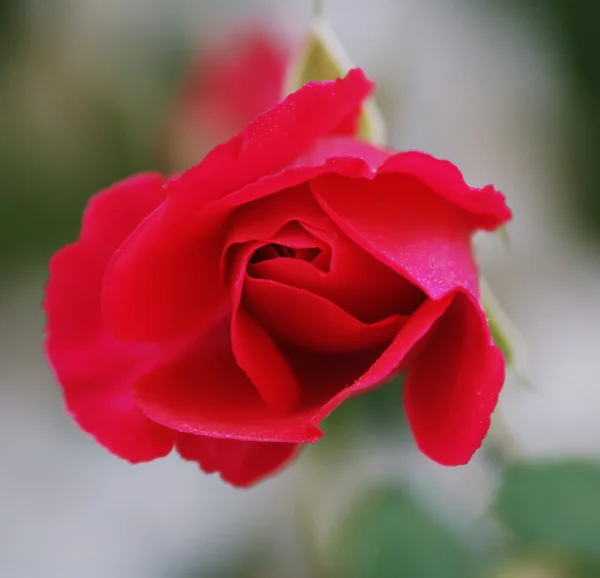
x=323, y=58
x=540, y=566
x=387, y=534
x=506, y=335
x=553, y=506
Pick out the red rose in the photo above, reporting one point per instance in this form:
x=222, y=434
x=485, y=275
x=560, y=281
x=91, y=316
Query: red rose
x=228, y=311
x=235, y=78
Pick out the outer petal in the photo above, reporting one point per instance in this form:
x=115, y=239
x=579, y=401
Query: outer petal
x=95, y=370
x=165, y=279
x=403, y=224
x=486, y=207
x=113, y=214
x=451, y=389
x=240, y=463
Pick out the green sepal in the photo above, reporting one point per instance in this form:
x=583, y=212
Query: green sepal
x=323, y=58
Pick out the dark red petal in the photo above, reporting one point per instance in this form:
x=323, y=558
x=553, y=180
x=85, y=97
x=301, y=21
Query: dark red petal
x=205, y=392
x=95, y=370
x=403, y=224
x=327, y=379
x=486, y=206
x=258, y=355
x=240, y=463
x=253, y=348
x=277, y=137
x=304, y=319
x=451, y=389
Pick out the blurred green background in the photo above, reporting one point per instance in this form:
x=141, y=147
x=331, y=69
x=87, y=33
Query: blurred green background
x=509, y=91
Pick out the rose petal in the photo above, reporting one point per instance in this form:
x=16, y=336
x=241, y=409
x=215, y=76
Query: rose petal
x=358, y=283
x=205, y=392
x=276, y=218
x=304, y=319
x=387, y=363
x=337, y=155
x=164, y=280
x=277, y=137
x=96, y=371
x=240, y=463
x=112, y=214
x=403, y=224
x=254, y=350
x=452, y=388
x=486, y=207
x=258, y=355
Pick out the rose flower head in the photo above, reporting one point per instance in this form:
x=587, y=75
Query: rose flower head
x=225, y=312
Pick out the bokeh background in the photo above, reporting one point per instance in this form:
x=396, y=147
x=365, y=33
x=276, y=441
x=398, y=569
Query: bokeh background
x=507, y=90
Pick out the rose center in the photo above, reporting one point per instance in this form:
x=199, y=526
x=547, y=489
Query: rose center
x=277, y=251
